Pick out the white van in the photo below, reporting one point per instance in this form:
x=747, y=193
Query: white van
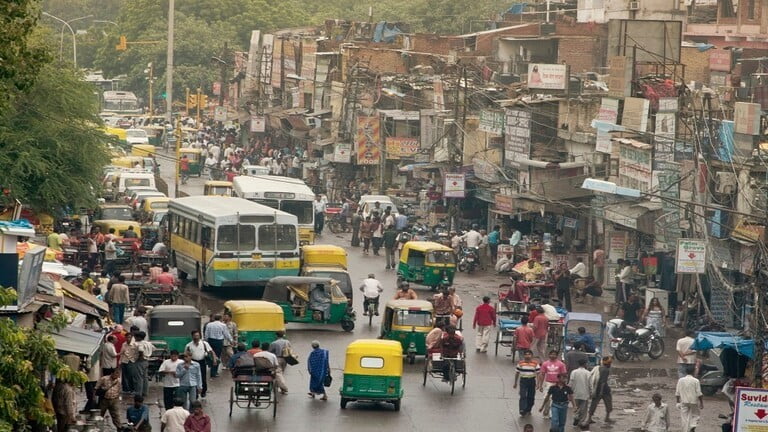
x=254, y=170
x=130, y=179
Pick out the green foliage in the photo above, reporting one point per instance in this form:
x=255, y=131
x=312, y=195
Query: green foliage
x=24, y=355
x=53, y=150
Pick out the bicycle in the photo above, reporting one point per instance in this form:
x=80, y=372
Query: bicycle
x=371, y=308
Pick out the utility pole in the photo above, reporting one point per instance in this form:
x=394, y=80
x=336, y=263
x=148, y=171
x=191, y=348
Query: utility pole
x=178, y=157
x=199, y=102
x=169, y=66
x=223, y=68
x=454, y=151
x=151, y=69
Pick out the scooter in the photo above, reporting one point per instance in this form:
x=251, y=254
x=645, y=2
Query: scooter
x=712, y=379
x=645, y=340
x=468, y=259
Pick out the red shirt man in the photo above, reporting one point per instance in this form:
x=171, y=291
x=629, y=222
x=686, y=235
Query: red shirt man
x=485, y=315
x=540, y=326
x=523, y=335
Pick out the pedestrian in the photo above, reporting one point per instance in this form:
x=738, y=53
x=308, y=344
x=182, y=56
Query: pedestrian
x=390, y=243
x=574, y=356
x=377, y=235
x=190, y=376
x=357, y=220
x=549, y=375
x=366, y=233
x=64, y=404
x=562, y=279
x=601, y=390
x=624, y=287
x=655, y=316
x=483, y=247
x=526, y=371
x=540, y=331
x=201, y=351
x=93, y=372
x=281, y=347
x=523, y=336
x=494, y=237
x=690, y=401
x=598, y=262
x=139, y=319
x=109, y=387
x=118, y=296
x=559, y=394
x=229, y=344
x=632, y=310
x=318, y=205
x=108, y=355
x=198, y=421
x=110, y=257
x=217, y=334
x=686, y=357
x=319, y=369
x=484, y=321
x=170, y=380
x=93, y=252
x=138, y=415
x=184, y=168
x=144, y=349
x=582, y=391
x=128, y=356
x=656, y=416
x=173, y=419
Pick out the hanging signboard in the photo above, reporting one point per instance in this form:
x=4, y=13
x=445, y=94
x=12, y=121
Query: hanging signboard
x=342, y=152
x=401, y=147
x=367, y=140
x=691, y=256
x=609, y=110
x=258, y=123
x=491, y=121
x=454, y=186
x=635, y=114
x=517, y=135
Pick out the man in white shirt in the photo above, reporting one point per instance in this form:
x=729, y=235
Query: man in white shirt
x=472, y=237
x=686, y=357
x=170, y=381
x=515, y=237
x=199, y=349
x=582, y=389
x=174, y=418
x=689, y=401
x=318, y=206
x=656, y=416
x=138, y=319
x=216, y=334
x=580, y=269
x=371, y=289
x=505, y=263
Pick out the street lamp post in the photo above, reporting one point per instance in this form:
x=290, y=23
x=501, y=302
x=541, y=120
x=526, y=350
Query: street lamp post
x=169, y=66
x=74, y=38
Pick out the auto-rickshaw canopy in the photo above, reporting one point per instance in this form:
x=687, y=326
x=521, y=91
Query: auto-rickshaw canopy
x=173, y=320
x=413, y=309
x=324, y=256
x=256, y=315
x=434, y=254
x=374, y=357
x=280, y=288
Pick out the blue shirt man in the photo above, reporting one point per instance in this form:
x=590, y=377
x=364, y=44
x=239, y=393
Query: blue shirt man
x=188, y=373
x=586, y=339
x=401, y=222
x=494, y=237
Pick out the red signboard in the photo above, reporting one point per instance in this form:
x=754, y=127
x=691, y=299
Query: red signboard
x=720, y=60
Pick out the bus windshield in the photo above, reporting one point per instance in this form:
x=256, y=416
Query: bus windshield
x=229, y=240
x=120, y=105
x=301, y=209
x=277, y=237
x=268, y=202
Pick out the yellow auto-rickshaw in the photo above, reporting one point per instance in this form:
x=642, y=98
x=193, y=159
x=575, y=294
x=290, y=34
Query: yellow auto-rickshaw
x=327, y=261
x=373, y=372
x=256, y=319
x=128, y=161
x=427, y=263
x=143, y=150
x=408, y=322
x=194, y=157
x=218, y=188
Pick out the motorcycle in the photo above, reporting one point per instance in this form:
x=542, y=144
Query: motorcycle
x=468, y=259
x=644, y=340
x=728, y=425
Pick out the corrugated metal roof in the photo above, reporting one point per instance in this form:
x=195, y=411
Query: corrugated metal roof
x=77, y=340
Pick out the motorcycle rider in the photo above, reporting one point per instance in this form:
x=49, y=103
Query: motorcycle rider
x=371, y=289
x=472, y=239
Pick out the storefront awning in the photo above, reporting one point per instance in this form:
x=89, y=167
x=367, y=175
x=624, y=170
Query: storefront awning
x=83, y=296
x=77, y=341
x=69, y=304
x=419, y=166
x=633, y=215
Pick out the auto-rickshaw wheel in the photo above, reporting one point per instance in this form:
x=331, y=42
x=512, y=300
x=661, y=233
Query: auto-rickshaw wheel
x=426, y=370
x=231, y=399
x=396, y=404
x=411, y=358
x=343, y=403
x=452, y=376
x=347, y=325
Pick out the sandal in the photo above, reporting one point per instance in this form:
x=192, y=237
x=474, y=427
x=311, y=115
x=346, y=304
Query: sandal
x=324, y=398
x=312, y=395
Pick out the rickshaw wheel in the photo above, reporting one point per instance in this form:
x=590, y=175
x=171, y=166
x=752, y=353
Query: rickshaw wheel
x=498, y=340
x=396, y=404
x=343, y=403
x=347, y=325
x=411, y=358
x=452, y=376
x=231, y=399
x=464, y=377
x=426, y=370
x=274, y=400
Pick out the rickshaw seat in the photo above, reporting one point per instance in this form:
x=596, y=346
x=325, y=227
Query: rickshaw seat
x=509, y=324
x=254, y=378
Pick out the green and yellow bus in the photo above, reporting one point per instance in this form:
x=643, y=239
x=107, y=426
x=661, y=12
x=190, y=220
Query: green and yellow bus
x=227, y=241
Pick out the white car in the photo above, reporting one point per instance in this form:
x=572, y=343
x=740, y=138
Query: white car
x=368, y=203
x=136, y=136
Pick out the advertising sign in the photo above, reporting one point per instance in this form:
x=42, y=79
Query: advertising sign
x=517, y=135
x=547, y=76
x=401, y=147
x=454, y=186
x=609, y=110
x=367, y=141
x=258, y=123
x=504, y=203
x=746, y=117
x=751, y=413
x=691, y=256
x=220, y=113
x=635, y=115
x=29, y=275
x=720, y=60
x=342, y=152
x=635, y=166
x=492, y=121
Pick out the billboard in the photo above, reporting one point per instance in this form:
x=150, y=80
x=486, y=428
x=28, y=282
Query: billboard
x=454, y=186
x=367, y=142
x=401, y=147
x=547, y=76
x=492, y=121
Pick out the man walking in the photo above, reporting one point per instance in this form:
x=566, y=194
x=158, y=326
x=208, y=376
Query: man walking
x=484, y=321
x=549, y=375
x=357, y=219
x=579, y=382
x=560, y=394
x=229, y=345
x=601, y=390
x=170, y=381
x=526, y=372
x=216, y=334
x=540, y=332
x=318, y=205
x=118, y=296
x=190, y=380
x=110, y=401
x=144, y=349
x=689, y=400
x=199, y=350
x=494, y=237
x=281, y=348
x=390, y=242
x=686, y=357
x=656, y=416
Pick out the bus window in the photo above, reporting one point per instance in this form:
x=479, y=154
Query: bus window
x=228, y=241
x=267, y=202
x=277, y=237
x=301, y=209
x=205, y=237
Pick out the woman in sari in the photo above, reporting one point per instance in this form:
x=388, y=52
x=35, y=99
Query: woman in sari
x=318, y=367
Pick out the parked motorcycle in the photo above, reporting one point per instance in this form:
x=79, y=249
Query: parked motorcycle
x=645, y=340
x=468, y=257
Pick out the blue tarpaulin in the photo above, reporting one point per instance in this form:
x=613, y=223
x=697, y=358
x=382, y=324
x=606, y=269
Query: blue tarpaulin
x=711, y=340
x=517, y=9
x=385, y=32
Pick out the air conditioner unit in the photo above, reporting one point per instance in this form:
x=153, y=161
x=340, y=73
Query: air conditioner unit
x=634, y=5
x=725, y=182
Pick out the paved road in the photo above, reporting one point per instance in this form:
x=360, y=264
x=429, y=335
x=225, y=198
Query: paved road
x=488, y=402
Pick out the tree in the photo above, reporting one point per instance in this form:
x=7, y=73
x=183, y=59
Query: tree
x=25, y=354
x=53, y=149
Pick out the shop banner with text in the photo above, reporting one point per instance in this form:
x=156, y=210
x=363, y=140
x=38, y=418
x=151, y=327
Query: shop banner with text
x=367, y=141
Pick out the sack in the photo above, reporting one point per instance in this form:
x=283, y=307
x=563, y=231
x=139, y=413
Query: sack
x=289, y=356
x=327, y=381
x=262, y=364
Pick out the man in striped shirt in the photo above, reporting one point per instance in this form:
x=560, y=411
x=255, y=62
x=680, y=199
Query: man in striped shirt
x=527, y=371
x=216, y=333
